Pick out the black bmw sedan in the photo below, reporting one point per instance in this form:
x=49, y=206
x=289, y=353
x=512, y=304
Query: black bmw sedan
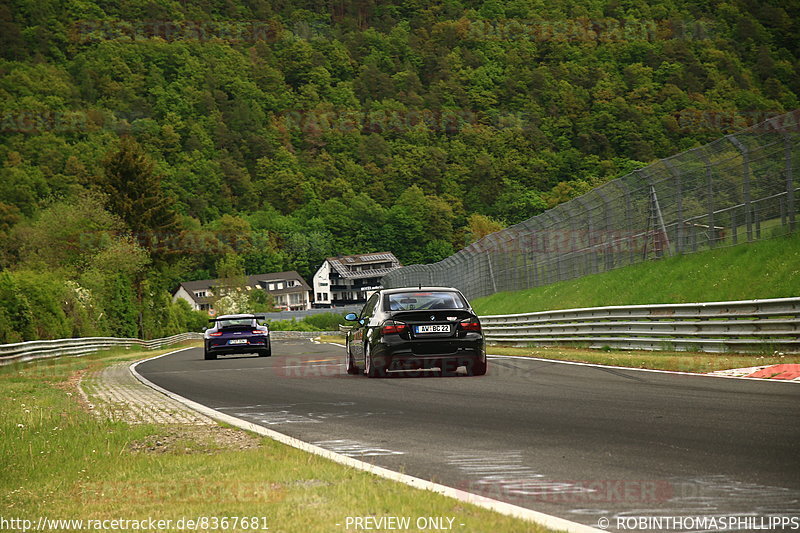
x=415, y=328
x=235, y=334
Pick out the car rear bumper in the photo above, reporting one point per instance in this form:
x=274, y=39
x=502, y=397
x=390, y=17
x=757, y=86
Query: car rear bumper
x=254, y=345
x=424, y=353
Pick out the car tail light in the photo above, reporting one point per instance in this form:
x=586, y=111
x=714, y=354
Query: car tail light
x=217, y=334
x=259, y=331
x=469, y=324
x=392, y=326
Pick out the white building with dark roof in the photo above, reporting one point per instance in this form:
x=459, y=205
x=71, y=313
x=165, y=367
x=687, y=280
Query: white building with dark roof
x=289, y=291
x=350, y=279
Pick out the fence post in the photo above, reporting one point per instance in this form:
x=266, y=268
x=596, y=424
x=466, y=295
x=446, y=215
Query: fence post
x=679, y=200
x=712, y=229
x=748, y=209
x=787, y=148
x=491, y=271
x=535, y=249
x=660, y=240
x=504, y=274
x=629, y=220
x=560, y=258
x=606, y=235
x=590, y=263
x=549, y=247
x=525, y=279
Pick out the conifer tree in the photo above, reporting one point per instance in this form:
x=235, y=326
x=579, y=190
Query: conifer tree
x=135, y=195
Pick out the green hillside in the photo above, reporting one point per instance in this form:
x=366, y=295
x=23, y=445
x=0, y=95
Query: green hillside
x=145, y=143
x=764, y=269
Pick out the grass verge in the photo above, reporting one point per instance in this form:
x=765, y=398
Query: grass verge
x=678, y=361
x=332, y=339
x=763, y=269
x=61, y=462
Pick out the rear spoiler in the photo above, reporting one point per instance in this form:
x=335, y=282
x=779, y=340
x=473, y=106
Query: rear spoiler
x=255, y=316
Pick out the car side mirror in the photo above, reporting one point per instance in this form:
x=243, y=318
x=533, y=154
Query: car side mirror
x=351, y=317
x=204, y=328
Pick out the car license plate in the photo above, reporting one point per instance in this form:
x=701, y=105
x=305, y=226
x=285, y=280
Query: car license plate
x=237, y=341
x=434, y=328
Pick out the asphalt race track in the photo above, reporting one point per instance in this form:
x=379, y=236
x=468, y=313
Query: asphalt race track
x=578, y=442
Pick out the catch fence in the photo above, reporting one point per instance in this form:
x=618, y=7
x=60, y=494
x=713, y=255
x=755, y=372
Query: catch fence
x=739, y=188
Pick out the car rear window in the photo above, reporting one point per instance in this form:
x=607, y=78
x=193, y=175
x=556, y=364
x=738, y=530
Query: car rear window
x=234, y=323
x=410, y=301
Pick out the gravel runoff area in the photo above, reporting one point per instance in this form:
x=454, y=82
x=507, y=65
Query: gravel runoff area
x=113, y=393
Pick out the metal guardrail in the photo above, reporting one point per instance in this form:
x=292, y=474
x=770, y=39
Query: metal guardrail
x=289, y=335
x=288, y=315
x=717, y=327
x=740, y=326
x=26, y=351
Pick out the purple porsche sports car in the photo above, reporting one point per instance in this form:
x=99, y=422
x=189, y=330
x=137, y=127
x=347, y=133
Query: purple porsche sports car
x=232, y=334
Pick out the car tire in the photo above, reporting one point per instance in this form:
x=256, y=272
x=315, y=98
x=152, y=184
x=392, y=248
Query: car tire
x=349, y=363
x=370, y=368
x=448, y=367
x=477, y=367
x=209, y=356
x=266, y=353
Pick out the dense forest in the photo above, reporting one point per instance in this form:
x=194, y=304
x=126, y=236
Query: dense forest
x=143, y=143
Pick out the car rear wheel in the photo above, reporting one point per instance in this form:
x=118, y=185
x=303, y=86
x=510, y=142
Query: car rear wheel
x=448, y=367
x=370, y=368
x=350, y=364
x=209, y=356
x=477, y=367
x=266, y=353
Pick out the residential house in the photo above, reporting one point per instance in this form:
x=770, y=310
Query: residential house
x=289, y=291
x=350, y=279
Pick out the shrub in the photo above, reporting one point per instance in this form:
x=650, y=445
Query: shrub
x=45, y=294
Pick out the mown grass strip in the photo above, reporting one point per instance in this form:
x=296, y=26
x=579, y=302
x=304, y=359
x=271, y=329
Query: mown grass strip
x=676, y=361
x=61, y=462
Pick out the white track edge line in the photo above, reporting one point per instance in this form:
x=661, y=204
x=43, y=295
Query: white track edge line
x=675, y=372
x=549, y=521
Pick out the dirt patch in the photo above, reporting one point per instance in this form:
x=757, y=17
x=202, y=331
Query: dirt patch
x=72, y=386
x=194, y=439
